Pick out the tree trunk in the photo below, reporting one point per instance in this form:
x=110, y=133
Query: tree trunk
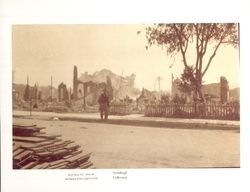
x=200, y=110
x=199, y=87
x=198, y=95
x=201, y=96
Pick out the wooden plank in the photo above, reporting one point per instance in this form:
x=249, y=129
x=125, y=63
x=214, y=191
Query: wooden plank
x=41, y=165
x=57, y=162
x=38, y=149
x=23, y=155
x=27, y=145
x=30, y=165
x=27, y=127
x=33, y=149
x=44, y=154
x=60, y=153
x=84, y=158
x=22, y=133
x=74, y=158
x=24, y=125
x=26, y=160
x=79, y=159
x=30, y=139
x=17, y=152
x=85, y=165
x=57, y=146
x=72, y=147
x=46, y=147
x=47, y=136
x=72, y=154
x=16, y=147
x=58, y=166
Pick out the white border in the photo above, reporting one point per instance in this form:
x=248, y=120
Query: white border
x=94, y=11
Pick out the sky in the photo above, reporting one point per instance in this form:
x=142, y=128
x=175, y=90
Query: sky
x=42, y=51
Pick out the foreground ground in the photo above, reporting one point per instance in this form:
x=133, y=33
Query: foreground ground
x=123, y=146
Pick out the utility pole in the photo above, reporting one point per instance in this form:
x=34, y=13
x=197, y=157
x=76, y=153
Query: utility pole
x=159, y=84
x=30, y=96
x=70, y=95
x=159, y=78
x=51, y=89
x=172, y=87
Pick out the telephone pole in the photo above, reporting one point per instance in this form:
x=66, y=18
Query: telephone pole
x=51, y=88
x=29, y=95
x=159, y=78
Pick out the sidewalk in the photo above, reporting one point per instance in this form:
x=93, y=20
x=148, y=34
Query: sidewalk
x=134, y=119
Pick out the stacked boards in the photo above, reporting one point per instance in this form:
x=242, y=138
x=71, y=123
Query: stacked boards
x=34, y=149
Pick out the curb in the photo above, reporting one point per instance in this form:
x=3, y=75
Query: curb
x=147, y=123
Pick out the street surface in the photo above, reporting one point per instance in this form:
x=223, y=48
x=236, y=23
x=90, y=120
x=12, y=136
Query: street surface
x=123, y=146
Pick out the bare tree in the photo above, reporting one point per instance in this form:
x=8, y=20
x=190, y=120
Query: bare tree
x=179, y=38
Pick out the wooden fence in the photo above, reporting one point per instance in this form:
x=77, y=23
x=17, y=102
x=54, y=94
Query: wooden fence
x=120, y=109
x=207, y=111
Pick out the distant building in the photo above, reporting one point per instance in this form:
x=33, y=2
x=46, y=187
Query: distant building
x=63, y=94
x=218, y=92
x=22, y=92
x=234, y=94
x=145, y=98
x=30, y=93
x=175, y=91
x=224, y=90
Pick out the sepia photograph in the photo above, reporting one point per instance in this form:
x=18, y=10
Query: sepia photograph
x=120, y=96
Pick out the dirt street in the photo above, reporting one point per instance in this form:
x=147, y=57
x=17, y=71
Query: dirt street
x=121, y=146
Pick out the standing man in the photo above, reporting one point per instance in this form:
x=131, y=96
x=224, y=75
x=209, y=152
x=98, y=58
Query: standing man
x=104, y=104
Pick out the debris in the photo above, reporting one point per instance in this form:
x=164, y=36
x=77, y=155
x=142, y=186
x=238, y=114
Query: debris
x=55, y=118
x=33, y=149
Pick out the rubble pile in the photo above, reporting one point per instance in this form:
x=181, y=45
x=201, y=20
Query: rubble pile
x=34, y=149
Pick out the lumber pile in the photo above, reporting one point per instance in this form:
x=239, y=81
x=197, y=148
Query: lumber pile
x=34, y=149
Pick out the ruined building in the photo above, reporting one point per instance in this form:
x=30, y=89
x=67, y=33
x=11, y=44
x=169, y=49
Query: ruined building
x=63, y=94
x=89, y=91
x=218, y=92
x=224, y=90
x=31, y=93
x=122, y=86
x=145, y=98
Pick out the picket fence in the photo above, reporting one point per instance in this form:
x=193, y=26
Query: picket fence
x=207, y=111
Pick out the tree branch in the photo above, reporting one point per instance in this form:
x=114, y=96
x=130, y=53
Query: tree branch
x=211, y=58
x=180, y=45
x=197, y=47
x=186, y=46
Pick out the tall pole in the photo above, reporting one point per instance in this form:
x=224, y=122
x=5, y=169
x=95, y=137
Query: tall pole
x=159, y=78
x=159, y=84
x=51, y=89
x=75, y=83
x=30, y=99
x=70, y=95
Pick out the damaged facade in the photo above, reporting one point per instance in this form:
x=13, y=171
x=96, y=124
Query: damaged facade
x=63, y=94
x=89, y=91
